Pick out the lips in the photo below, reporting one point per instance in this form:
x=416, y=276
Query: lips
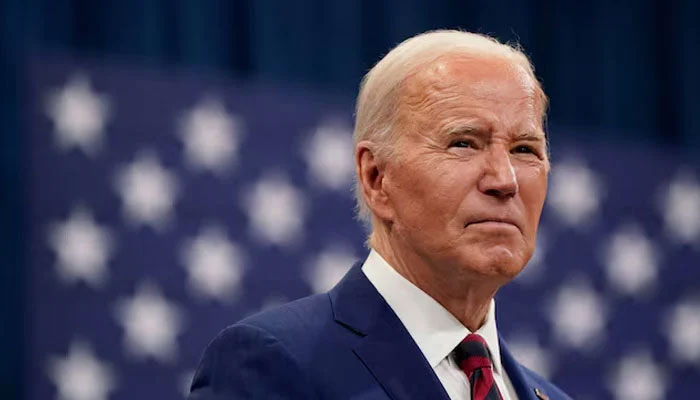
x=494, y=220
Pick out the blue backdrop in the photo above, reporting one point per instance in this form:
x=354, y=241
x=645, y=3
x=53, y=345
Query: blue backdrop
x=623, y=86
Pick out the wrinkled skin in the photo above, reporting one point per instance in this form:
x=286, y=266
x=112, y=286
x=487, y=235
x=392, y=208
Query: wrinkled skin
x=457, y=208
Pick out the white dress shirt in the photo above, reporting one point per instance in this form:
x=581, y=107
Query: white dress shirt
x=434, y=329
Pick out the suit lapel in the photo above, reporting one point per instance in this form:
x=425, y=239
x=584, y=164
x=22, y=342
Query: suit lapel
x=524, y=387
x=385, y=347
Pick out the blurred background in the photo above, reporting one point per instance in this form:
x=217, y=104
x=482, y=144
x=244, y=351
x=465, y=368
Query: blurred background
x=169, y=167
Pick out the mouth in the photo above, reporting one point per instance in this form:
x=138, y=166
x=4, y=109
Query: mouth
x=494, y=223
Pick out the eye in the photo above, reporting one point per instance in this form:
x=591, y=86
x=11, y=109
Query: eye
x=462, y=143
x=524, y=149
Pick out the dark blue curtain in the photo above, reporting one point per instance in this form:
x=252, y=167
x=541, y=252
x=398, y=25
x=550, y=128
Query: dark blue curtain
x=628, y=69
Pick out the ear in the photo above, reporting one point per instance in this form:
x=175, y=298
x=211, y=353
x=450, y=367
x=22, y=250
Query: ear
x=371, y=177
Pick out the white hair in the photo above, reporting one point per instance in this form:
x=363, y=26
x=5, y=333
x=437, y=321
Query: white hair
x=378, y=100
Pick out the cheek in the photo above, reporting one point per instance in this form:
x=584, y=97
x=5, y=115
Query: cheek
x=425, y=193
x=533, y=190
x=406, y=189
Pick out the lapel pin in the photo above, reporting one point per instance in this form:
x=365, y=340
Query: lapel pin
x=540, y=394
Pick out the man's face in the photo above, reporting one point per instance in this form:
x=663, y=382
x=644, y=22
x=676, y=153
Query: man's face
x=469, y=175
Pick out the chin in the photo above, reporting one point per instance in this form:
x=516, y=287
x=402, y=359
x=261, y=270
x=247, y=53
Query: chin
x=497, y=262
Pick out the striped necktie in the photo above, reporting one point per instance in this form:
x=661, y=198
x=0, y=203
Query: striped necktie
x=472, y=356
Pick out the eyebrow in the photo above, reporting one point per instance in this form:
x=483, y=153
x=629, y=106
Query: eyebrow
x=530, y=137
x=482, y=131
x=466, y=128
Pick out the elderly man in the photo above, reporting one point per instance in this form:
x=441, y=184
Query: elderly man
x=452, y=165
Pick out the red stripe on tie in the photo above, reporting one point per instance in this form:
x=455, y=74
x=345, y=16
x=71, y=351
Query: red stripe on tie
x=472, y=363
x=482, y=387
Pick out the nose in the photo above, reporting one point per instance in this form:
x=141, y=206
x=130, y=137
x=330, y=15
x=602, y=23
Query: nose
x=498, y=177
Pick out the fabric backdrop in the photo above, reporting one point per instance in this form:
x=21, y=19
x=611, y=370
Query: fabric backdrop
x=167, y=206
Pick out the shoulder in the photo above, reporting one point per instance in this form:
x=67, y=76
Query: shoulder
x=246, y=362
x=291, y=326
x=292, y=319
x=261, y=354
x=550, y=389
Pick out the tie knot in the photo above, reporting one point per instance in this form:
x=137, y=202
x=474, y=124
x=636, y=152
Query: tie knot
x=473, y=358
x=472, y=353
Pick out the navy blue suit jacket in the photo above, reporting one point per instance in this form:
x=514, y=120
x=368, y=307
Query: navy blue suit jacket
x=345, y=344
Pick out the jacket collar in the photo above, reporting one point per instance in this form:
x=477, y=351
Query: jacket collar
x=385, y=347
x=389, y=352
x=434, y=329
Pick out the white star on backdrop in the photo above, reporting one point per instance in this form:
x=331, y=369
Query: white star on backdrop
x=328, y=267
x=211, y=136
x=528, y=352
x=578, y=316
x=276, y=210
x=683, y=330
x=575, y=193
x=329, y=156
x=637, y=377
x=79, y=115
x=213, y=264
x=80, y=375
x=681, y=208
x=82, y=248
x=151, y=324
x=630, y=261
x=147, y=190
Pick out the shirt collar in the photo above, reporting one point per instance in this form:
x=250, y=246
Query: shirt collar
x=432, y=327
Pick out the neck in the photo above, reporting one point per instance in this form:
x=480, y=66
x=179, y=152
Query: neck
x=465, y=295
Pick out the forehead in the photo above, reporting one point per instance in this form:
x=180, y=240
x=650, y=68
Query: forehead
x=450, y=83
